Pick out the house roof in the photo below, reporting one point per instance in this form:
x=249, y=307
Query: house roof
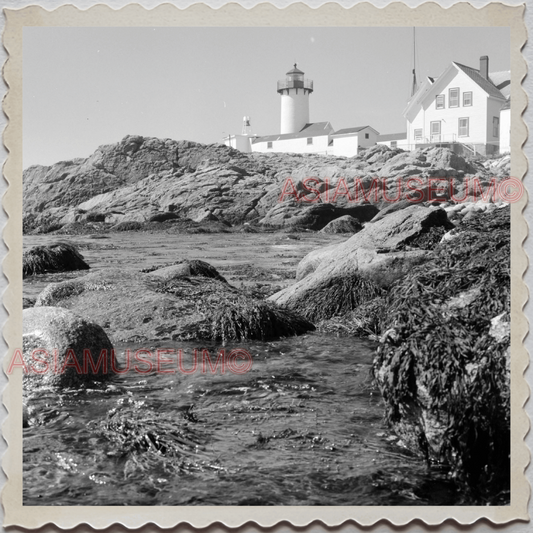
x=507, y=105
x=357, y=129
x=392, y=137
x=486, y=84
x=350, y=130
x=313, y=129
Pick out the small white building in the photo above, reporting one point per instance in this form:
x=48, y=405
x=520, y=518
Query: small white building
x=394, y=140
x=347, y=142
x=312, y=139
x=461, y=107
x=242, y=142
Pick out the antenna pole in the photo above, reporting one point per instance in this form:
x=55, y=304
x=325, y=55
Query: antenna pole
x=415, y=85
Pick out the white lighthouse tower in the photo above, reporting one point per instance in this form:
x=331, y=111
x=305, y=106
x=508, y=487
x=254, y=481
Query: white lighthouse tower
x=294, y=91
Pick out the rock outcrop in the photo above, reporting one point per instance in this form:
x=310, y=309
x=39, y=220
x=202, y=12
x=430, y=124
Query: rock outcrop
x=57, y=345
x=145, y=179
x=171, y=304
x=340, y=277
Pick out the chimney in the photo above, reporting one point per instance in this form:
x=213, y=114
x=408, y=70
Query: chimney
x=484, y=67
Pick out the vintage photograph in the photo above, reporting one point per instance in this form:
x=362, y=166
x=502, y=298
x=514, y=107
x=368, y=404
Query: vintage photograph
x=266, y=266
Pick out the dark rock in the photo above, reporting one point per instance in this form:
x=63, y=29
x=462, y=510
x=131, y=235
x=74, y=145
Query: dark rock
x=315, y=216
x=163, y=217
x=28, y=302
x=58, y=257
x=58, y=330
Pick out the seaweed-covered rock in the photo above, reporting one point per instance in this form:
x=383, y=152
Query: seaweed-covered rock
x=338, y=278
x=140, y=307
x=443, y=363
x=185, y=268
x=344, y=224
x=64, y=341
x=58, y=257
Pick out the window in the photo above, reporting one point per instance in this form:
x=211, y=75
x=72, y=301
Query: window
x=269, y=144
x=394, y=144
x=309, y=140
x=463, y=127
x=439, y=101
x=435, y=131
x=367, y=135
x=467, y=98
x=418, y=134
x=454, y=97
x=495, y=127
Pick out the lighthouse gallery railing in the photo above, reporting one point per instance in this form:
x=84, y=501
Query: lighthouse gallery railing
x=295, y=84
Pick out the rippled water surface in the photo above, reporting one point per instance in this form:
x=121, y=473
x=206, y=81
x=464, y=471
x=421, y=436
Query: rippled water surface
x=303, y=427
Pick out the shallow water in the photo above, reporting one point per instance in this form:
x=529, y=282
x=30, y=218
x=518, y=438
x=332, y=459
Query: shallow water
x=304, y=426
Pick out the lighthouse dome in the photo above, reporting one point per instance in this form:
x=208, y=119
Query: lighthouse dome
x=295, y=70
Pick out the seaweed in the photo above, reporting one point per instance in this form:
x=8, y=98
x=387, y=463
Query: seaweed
x=335, y=296
x=57, y=257
x=231, y=314
x=439, y=356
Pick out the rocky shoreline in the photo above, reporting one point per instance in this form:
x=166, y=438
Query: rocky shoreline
x=426, y=277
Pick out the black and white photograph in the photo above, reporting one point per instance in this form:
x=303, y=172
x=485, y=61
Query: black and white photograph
x=266, y=266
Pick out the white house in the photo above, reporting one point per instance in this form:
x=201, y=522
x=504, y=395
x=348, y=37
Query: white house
x=461, y=108
x=346, y=142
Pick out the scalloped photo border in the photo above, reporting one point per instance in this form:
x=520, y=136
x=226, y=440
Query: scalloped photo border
x=396, y=14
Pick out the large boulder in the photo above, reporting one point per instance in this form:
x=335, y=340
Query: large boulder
x=341, y=277
x=58, y=257
x=64, y=341
x=171, y=305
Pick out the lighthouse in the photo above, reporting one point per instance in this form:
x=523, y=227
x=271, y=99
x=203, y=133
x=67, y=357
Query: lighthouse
x=294, y=91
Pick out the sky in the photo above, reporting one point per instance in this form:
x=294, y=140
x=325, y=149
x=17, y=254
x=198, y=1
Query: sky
x=84, y=87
